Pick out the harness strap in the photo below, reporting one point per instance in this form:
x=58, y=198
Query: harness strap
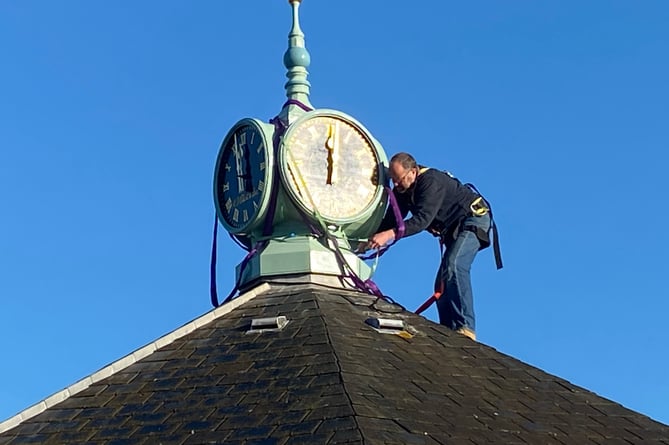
x=495, y=242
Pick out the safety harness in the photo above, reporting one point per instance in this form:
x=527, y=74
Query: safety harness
x=478, y=207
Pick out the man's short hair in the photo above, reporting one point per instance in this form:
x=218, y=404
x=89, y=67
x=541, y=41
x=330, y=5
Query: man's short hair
x=404, y=159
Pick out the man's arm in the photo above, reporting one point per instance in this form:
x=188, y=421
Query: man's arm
x=428, y=199
x=387, y=229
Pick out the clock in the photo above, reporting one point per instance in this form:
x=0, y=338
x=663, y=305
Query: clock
x=331, y=166
x=243, y=176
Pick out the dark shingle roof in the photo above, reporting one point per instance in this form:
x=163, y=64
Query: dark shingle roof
x=326, y=377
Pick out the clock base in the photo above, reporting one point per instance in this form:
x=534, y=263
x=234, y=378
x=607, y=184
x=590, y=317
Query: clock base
x=301, y=259
x=330, y=281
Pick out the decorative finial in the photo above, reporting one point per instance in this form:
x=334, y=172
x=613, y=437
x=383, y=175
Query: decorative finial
x=297, y=59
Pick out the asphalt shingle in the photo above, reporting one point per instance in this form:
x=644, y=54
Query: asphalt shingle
x=328, y=377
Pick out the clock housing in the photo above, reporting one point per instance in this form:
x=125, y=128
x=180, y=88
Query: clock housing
x=243, y=175
x=332, y=168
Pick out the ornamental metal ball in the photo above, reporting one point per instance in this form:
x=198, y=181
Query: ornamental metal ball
x=296, y=56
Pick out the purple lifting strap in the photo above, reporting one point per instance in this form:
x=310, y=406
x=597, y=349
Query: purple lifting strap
x=298, y=103
x=212, y=277
x=400, y=226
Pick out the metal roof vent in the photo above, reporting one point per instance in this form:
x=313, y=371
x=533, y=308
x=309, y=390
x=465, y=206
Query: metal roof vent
x=268, y=324
x=391, y=326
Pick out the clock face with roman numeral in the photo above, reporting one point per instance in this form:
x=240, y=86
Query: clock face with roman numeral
x=242, y=176
x=331, y=166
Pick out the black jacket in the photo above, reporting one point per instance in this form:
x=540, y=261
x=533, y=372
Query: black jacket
x=436, y=200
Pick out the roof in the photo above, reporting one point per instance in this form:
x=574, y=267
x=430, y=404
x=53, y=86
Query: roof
x=328, y=377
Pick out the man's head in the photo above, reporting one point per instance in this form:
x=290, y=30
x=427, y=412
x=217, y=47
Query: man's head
x=403, y=171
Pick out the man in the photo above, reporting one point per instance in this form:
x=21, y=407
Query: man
x=442, y=205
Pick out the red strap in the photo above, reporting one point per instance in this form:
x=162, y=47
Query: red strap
x=435, y=296
x=438, y=286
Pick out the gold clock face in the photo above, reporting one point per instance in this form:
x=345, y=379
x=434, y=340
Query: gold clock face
x=332, y=166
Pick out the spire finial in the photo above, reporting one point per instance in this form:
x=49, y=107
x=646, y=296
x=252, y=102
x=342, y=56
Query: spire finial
x=297, y=59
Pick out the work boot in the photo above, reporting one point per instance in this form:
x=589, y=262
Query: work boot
x=466, y=332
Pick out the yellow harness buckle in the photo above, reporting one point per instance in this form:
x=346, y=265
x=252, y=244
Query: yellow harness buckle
x=478, y=207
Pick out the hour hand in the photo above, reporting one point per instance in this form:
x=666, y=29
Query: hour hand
x=332, y=146
x=248, y=182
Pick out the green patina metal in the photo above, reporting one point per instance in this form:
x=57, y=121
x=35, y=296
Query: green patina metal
x=297, y=59
x=292, y=249
x=254, y=225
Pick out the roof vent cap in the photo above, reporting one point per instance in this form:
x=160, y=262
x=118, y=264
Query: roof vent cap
x=391, y=326
x=385, y=323
x=268, y=324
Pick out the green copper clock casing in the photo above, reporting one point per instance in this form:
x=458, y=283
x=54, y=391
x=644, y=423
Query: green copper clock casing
x=243, y=176
x=330, y=164
x=332, y=171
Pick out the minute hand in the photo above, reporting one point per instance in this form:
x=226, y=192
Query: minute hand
x=239, y=164
x=332, y=145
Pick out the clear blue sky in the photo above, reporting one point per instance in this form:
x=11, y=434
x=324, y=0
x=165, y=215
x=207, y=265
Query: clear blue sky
x=111, y=116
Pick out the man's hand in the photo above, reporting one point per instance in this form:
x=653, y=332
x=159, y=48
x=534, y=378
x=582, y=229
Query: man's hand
x=362, y=247
x=381, y=239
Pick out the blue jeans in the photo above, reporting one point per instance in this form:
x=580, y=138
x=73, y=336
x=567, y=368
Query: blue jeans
x=456, y=304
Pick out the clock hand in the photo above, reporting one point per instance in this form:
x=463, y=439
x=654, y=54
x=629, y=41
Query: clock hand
x=330, y=146
x=238, y=163
x=335, y=152
x=247, y=164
